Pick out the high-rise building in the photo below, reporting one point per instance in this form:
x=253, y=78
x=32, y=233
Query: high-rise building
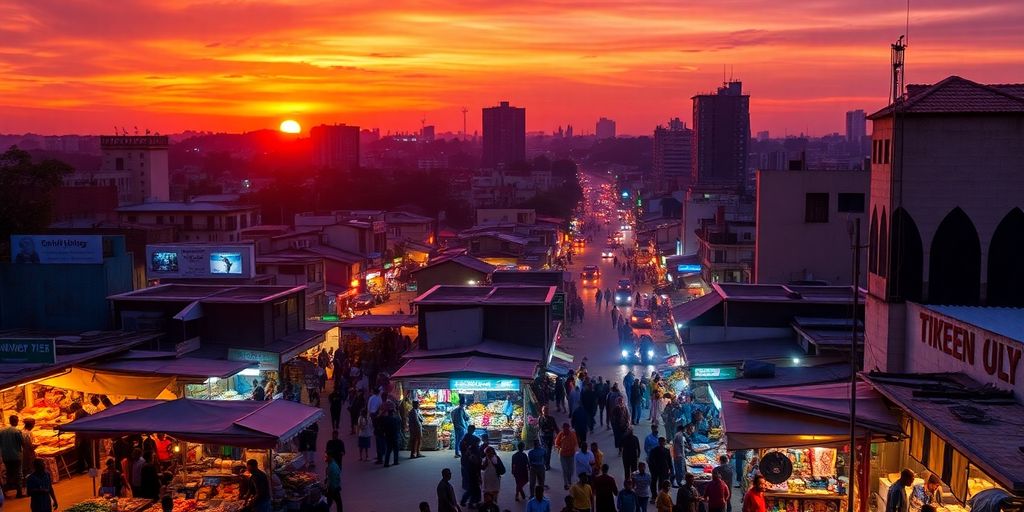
x=143, y=160
x=721, y=126
x=335, y=147
x=856, y=125
x=672, y=156
x=605, y=128
x=504, y=136
x=427, y=133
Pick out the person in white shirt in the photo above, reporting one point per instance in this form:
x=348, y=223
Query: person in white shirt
x=583, y=460
x=374, y=403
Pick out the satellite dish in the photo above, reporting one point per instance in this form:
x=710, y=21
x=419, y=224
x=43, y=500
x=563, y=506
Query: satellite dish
x=776, y=467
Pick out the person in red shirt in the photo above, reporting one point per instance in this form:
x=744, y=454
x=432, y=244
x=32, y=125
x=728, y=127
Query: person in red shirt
x=717, y=494
x=163, y=450
x=754, y=500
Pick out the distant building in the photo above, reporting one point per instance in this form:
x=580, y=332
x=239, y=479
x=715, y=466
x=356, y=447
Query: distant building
x=721, y=125
x=605, y=128
x=726, y=250
x=135, y=164
x=335, y=147
x=856, y=125
x=802, y=232
x=504, y=136
x=427, y=133
x=763, y=136
x=673, y=156
x=194, y=222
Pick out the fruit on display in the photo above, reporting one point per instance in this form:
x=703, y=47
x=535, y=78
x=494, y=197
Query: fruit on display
x=90, y=506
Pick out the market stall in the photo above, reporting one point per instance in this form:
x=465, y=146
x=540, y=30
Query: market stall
x=212, y=441
x=375, y=343
x=494, y=392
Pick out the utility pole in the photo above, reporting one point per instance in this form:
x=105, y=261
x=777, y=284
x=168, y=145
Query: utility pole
x=856, y=246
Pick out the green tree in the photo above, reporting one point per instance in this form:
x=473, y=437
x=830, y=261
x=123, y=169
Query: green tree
x=26, y=193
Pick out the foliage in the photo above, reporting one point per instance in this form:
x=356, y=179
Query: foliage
x=26, y=192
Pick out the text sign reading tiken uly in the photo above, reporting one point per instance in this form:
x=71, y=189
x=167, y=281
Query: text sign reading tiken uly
x=28, y=350
x=999, y=357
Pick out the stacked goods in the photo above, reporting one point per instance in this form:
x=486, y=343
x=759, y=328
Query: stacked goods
x=50, y=442
x=298, y=481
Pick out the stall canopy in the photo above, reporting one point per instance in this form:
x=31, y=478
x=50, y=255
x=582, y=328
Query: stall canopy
x=474, y=364
x=109, y=383
x=830, y=401
x=485, y=348
x=185, y=367
x=694, y=308
x=751, y=426
x=380, y=322
x=242, y=423
x=739, y=351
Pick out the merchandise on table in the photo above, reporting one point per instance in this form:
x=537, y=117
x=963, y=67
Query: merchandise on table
x=108, y=505
x=487, y=411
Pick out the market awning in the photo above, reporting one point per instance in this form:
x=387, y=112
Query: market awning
x=475, y=364
x=380, y=322
x=750, y=426
x=485, y=348
x=242, y=423
x=193, y=311
x=112, y=383
x=692, y=309
x=190, y=367
x=830, y=401
x=739, y=351
x=557, y=353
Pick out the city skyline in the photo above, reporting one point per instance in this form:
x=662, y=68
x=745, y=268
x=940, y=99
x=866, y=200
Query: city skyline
x=85, y=67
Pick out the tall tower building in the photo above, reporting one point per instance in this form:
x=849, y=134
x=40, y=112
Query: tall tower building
x=335, y=147
x=504, y=136
x=672, y=156
x=605, y=128
x=143, y=160
x=856, y=125
x=721, y=126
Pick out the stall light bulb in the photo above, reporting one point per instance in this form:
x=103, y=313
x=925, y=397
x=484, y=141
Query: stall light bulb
x=625, y=353
x=796, y=360
x=177, y=449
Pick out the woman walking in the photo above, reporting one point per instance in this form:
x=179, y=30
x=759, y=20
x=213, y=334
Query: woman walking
x=492, y=468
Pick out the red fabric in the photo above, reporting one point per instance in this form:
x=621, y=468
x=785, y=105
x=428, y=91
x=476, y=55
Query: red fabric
x=754, y=502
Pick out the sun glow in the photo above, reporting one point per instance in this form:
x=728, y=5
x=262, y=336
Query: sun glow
x=290, y=126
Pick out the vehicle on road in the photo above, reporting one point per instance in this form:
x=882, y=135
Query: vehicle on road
x=637, y=349
x=608, y=252
x=364, y=301
x=641, y=319
x=590, y=275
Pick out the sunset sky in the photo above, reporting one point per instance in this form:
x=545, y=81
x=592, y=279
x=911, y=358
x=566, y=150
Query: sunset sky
x=83, y=66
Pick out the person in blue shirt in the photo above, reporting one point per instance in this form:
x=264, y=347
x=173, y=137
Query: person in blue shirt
x=333, y=491
x=538, y=464
x=539, y=502
x=627, y=500
x=460, y=420
x=651, y=441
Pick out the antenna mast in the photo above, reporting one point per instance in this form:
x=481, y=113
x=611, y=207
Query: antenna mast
x=897, y=69
x=464, y=112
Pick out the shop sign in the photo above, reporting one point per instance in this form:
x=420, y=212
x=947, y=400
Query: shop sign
x=329, y=318
x=372, y=275
x=558, y=306
x=987, y=355
x=266, y=360
x=714, y=373
x=28, y=350
x=57, y=249
x=426, y=384
x=484, y=384
x=687, y=268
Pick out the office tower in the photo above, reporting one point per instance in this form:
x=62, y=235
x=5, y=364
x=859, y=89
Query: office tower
x=672, y=156
x=504, y=136
x=856, y=125
x=427, y=133
x=335, y=147
x=605, y=128
x=143, y=160
x=721, y=133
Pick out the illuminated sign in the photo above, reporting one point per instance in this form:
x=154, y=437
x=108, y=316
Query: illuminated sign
x=686, y=268
x=57, y=249
x=266, y=360
x=133, y=141
x=484, y=384
x=714, y=373
x=199, y=261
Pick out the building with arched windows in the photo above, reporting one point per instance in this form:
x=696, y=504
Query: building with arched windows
x=946, y=225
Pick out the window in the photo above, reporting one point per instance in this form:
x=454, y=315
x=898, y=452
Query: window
x=159, y=219
x=816, y=207
x=245, y=221
x=746, y=236
x=885, y=151
x=119, y=164
x=522, y=218
x=719, y=256
x=232, y=222
x=209, y=222
x=850, y=202
x=188, y=222
x=133, y=219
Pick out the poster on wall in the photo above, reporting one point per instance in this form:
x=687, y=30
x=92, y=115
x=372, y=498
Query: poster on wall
x=57, y=249
x=167, y=261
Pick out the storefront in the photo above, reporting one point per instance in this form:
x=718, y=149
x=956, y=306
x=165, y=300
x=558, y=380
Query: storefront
x=494, y=392
x=211, y=441
x=376, y=343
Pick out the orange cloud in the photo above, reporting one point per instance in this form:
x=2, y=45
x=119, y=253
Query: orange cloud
x=84, y=65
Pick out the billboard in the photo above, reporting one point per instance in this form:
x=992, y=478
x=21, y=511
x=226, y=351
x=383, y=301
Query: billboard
x=200, y=261
x=57, y=249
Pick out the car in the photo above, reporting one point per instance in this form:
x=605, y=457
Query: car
x=641, y=318
x=624, y=284
x=637, y=349
x=625, y=227
x=364, y=301
x=623, y=297
x=590, y=275
x=608, y=252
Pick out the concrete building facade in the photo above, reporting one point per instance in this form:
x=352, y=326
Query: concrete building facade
x=504, y=136
x=335, y=147
x=721, y=126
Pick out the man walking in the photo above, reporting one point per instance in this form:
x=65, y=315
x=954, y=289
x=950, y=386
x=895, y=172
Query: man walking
x=538, y=459
x=11, y=450
x=566, y=442
x=415, y=430
x=660, y=462
x=460, y=420
x=642, y=483
x=548, y=428
x=724, y=471
x=446, y=501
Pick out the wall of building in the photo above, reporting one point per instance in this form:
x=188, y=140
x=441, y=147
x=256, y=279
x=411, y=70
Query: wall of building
x=446, y=273
x=788, y=247
x=717, y=333
x=504, y=215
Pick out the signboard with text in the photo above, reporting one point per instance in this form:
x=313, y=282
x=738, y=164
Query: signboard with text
x=266, y=360
x=28, y=350
x=57, y=249
x=558, y=306
x=202, y=261
x=714, y=373
x=484, y=385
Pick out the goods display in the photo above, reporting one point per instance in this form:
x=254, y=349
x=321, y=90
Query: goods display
x=808, y=481
x=110, y=505
x=487, y=410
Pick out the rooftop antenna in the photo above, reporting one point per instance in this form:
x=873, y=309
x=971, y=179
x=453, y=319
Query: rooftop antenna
x=898, y=48
x=423, y=122
x=464, y=112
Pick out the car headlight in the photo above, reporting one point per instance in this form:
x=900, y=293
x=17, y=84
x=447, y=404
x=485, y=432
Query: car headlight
x=650, y=353
x=629, y=299
x=625, y=353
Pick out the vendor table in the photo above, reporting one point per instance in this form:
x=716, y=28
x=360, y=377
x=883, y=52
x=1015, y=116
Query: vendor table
x=803, y=502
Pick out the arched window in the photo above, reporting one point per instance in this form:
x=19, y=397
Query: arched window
x=954, y=266
x=906, y=256
x=873, y=243
x=1005, y=272
x=883, y=246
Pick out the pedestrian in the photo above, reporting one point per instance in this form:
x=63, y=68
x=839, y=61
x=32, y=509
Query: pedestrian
x=307, y=445
x=679, y=454
x=39, y=486
x=605, y=491
x=635, y=402
x=602, y=391
x=493, y=468
x=642, y=485
x=595, y=467
x=356, y=410
x=597, y=298
x=335, y=400
x=582, y=494
x=488, y=505
x=650, y=441
x=548, y=427
x=893, y=502
x=559, y=394
x=391, y=426
x=664, y=502
x=446, y=501
x=365, y=434
x=258, y=393
x=588, y=398
x=521, y=470
x=112, y=481
x=149, y=479
x=584, y=460
x=716, y=494
x=460, y=420
x=471, y=462
x=753, y=501
x=660, y=462
x=259, y=488
x=415, y=430
x=630, y=452
x=573, y=393
x=539, y=502
x=725, y=472
x=12, y=444
x=688, y=497
x=615, y=317
x=628, y=501
x=538, y=459
x=333, y=482
x=567, y=443
x=655, y=414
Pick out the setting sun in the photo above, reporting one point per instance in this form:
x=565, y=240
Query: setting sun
x=290, y=126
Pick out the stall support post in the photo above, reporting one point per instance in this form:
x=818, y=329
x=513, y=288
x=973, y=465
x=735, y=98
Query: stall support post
x=856, y=246
x=864, y=473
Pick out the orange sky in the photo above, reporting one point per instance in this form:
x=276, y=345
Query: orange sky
x=83, y=66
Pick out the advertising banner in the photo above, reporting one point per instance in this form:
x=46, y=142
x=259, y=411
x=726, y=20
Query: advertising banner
x=28, y=350
x=199, y=261
x=57, y=249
